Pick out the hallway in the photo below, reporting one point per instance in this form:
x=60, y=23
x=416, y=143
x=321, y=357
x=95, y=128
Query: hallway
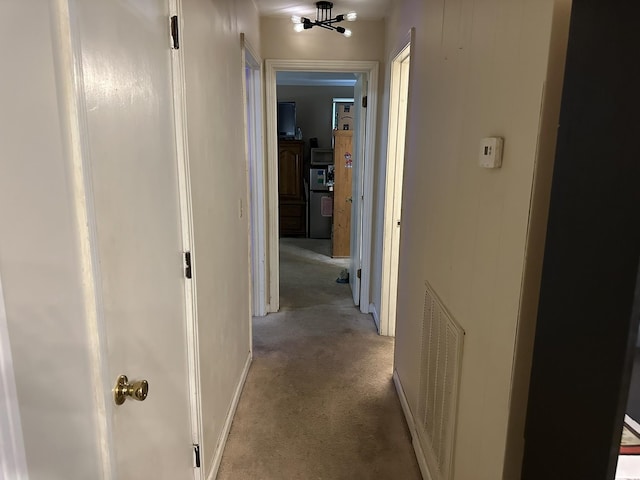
x=319, y=401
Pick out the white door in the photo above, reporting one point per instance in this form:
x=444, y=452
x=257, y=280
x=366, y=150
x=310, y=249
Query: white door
x=131, y=152
x=360, y=90
x=398, y=104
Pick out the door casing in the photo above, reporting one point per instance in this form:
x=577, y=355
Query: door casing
x=398, y=114
x=370, y=68
x=255, y=156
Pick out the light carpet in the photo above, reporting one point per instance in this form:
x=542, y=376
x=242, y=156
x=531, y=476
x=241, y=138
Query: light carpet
x=319, y=401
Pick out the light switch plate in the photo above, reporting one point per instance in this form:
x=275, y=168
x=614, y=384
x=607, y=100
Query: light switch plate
x=491, y=152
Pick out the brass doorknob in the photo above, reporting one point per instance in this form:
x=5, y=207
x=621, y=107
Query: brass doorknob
x=136, y=390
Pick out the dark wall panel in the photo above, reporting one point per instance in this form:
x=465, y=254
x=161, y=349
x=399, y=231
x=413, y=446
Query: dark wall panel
x=586, y=323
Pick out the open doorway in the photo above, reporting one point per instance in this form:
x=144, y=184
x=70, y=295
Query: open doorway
x=398, y=104
x=299, y=214
x=313, y=215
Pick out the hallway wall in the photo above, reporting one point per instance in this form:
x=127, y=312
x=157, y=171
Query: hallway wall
x=476, y=73
x=53, y=335
x=40, y=259
x=280, y=41
x=216, y=141
x=314, y=105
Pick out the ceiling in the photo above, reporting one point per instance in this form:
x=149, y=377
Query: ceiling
x=366, y=9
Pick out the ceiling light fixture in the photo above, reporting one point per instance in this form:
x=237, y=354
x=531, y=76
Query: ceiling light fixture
x=324, y=19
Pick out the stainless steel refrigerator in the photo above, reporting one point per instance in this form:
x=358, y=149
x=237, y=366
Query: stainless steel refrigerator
x=320, y=196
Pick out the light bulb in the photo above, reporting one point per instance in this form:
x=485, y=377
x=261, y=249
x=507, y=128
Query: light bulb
x=347, y=32
x=296, y=19
x=351, y=16
x=298, y=27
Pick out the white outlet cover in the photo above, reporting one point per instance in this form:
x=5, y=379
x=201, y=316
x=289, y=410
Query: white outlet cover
x=491, y=152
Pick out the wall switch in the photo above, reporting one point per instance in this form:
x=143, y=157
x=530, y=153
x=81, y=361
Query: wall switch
x=491, y=152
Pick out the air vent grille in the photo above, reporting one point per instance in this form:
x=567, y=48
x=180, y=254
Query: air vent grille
x=442, y=341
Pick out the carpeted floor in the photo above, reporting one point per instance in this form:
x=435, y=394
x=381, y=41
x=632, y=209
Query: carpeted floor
x=319, y=401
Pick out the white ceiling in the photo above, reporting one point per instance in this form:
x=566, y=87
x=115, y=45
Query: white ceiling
x=366, y=9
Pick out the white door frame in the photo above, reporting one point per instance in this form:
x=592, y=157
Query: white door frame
x=13, y=461
x=271, y=68
x=393, y=186
x=186, y=217
x=252, y=94
x=357, y=187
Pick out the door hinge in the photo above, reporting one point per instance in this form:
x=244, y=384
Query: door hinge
x=364, y=102
x=359, y=273
x=196, y=455
x=175, y=34
x=187, y=264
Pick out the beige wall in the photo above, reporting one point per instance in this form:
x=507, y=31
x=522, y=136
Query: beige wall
x=540, y=194
x=40, y=259
x=40, y=254
x=280, y=41
x=216, y=141
x=314, y=107
x=476, y=73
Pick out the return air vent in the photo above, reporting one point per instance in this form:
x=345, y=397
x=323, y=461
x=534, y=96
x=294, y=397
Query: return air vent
x=442, y=340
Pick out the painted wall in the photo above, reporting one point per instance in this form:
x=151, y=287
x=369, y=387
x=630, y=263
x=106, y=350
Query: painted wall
x=476, y=73
x=40, y=256
x=280, y=41
x=216, y=142
x=50, y=332
x=314, y=110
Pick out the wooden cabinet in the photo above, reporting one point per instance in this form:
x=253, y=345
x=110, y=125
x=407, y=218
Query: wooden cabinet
x=342, y=201
x=291, y=197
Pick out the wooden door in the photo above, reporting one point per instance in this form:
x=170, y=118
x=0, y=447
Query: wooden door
x=292, y=202
x=290, y=171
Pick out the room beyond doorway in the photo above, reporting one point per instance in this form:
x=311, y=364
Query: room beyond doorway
x=319, y=144
x=308, y=275
x=361, y=255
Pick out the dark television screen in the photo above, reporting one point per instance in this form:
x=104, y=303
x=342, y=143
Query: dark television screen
x=286, y=119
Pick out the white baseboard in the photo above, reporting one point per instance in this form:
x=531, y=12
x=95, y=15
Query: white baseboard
x=376, y=318
x=227, y=423
x=422, y=460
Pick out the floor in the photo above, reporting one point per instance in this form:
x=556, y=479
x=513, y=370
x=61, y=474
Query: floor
x=319, y=401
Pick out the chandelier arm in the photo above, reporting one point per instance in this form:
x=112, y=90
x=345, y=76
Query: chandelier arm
x=323, y=25
x=331, y=21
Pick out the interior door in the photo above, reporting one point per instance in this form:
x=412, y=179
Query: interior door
x=357, y=189
x=401, y=72
x=126, y=72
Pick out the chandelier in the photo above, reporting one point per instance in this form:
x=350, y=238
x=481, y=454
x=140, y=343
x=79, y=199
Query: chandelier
x=324, y=19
